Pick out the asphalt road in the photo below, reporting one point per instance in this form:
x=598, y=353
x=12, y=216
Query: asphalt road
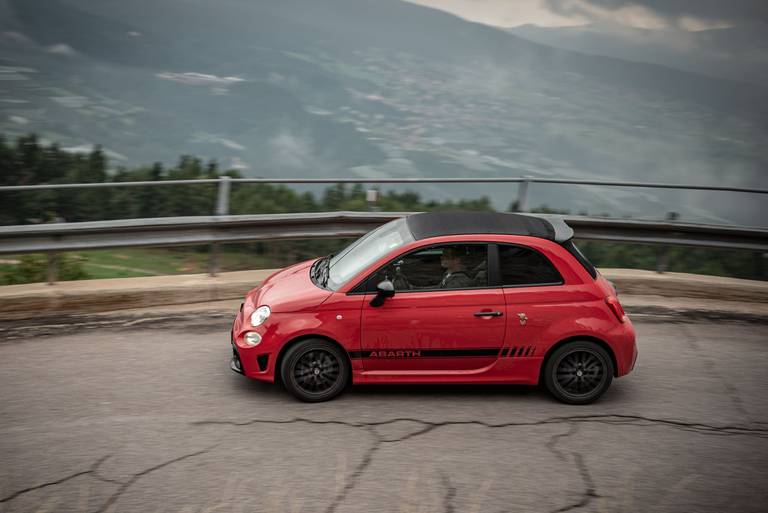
x=152, y=420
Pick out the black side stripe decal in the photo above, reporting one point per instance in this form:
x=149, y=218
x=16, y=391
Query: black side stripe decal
x=512, y=352
x=425, y=353
x=517, y=352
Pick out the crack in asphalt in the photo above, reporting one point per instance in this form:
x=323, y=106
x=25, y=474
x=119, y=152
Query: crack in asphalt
x=554, y=439
x=424, y=430
x=91, y=471
x=135, y=477
x=427, y=426
x=98, y=476
x=610, y=419
x=693, y=343
x=358, y=471
x=590, y=491
x=450, y=493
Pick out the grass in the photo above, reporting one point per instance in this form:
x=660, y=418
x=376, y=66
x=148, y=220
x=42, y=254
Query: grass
x=137, y=262
x=141, y=262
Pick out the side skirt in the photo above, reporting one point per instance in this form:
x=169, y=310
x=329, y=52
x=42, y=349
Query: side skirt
x=523, y=371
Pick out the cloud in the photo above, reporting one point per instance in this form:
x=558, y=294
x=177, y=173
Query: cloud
x=696, y=12
x=633, y=15
x=88, y=148
x=61, y=49
x=15, y=37
x=688, y=15
x=202, y=79
x=505, y=13
x=204, y=137
x=238, y=164
x=291, y=150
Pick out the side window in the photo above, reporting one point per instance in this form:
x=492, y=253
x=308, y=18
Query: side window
x=524, y=266
x=450, y=266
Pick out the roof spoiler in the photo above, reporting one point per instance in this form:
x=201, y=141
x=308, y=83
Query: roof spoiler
x=563, y=232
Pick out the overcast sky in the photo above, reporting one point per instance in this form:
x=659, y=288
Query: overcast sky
x=682, y=14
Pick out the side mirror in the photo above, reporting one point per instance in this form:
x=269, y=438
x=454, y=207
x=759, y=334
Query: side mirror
x=384, y=290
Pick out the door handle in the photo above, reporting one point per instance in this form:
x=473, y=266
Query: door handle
x=488, y=314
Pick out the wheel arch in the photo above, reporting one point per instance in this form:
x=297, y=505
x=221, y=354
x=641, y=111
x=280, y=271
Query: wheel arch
x=576, y=338
x=301, y=338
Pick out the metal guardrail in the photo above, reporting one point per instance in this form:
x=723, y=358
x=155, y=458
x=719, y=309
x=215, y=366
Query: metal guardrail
x=222, y=227
x=225, y=182
x=189, y=230
x=215, y=230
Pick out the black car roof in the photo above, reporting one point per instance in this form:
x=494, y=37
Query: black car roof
x=436, y=224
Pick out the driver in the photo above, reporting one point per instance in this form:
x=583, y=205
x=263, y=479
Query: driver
x=455, y=276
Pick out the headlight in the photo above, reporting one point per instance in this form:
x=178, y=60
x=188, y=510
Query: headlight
x=260, y=315
x=252, y=338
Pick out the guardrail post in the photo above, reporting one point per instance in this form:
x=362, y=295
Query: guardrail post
x=522, y=195
x=222, y=200
x=759, y=267
x=53, y=267
x=222, y=209
x=214, y=260
x=664, y=253
x=371, y=199
x=662, y=259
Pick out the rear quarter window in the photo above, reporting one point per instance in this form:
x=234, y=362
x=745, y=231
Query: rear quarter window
x=520, y=266
x=578, y=255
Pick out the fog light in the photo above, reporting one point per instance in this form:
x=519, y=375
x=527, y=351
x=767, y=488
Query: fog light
x=252, y=338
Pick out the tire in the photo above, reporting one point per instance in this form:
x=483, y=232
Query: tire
x=578, y=372
x=315, y=370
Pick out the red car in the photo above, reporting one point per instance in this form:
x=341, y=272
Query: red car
x=440, y=298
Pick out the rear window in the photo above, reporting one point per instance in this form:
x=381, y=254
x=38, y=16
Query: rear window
x=524, y=266
x=578, y=255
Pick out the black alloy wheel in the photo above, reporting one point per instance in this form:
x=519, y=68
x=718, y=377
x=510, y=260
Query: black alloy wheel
x=579, y=372
x=315, y=370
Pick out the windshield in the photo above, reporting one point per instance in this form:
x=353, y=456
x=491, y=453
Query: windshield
x=366, y=250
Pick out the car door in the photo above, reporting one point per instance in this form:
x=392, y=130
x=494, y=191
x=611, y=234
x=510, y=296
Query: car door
x=439, y=319
x=536, y=299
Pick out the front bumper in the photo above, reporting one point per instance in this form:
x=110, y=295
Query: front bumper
x=250, y=361
x=234, y=363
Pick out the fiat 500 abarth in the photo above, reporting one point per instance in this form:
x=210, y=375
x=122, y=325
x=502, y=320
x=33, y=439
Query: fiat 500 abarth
x=440, y=298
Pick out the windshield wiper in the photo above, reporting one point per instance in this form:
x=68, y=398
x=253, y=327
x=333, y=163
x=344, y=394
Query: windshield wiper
x=325, y=270
x=320, y=270
x=313, y=269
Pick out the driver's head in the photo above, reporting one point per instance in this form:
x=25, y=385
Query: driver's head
x=452, y=259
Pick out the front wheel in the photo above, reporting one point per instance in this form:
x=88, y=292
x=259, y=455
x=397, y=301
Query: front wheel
x=579, y=372
x=315, y=370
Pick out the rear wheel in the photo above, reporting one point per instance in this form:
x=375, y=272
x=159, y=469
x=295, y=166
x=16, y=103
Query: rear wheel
x=579, y=372
x=315, y=370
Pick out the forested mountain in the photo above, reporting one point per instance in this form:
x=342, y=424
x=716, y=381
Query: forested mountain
x=372, y=88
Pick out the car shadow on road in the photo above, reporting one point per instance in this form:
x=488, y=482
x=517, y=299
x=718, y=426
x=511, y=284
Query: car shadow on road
x=404, y=392
x=445, y=392
x=619, y=393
